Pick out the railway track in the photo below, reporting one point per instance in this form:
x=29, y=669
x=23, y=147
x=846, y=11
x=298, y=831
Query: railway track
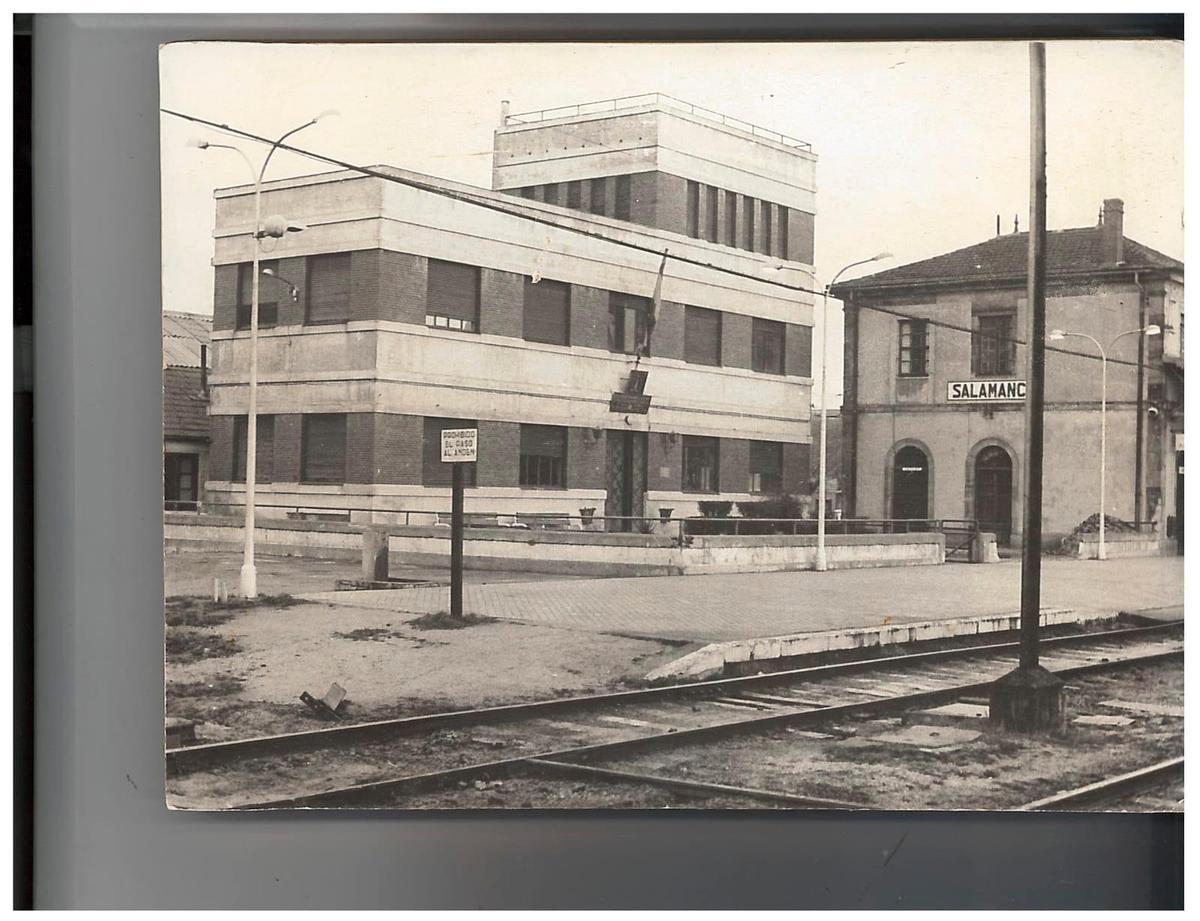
x=385, y=761
x=1111, y=789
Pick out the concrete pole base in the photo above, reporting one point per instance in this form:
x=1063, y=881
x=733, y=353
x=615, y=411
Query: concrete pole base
x=1028, y=700
x=249, y=581
x=375, y=555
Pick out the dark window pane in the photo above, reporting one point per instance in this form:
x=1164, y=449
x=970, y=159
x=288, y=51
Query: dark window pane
x=710, y=216
x=766, y=353
x=574, y=193
x=702, y=336
x=783, y=231
x=700, y=464
x=328, y=289
x=543, y=455
x=433, y=471
x=994, y=349
x=731, y=218
x=766, y=467
x=624, y=196
x=597, y=201
x=626, y=321
x=323, y=448
x=452, y=296
x=268, y=294
x=547, y=311
x=551, y=193
x=529, y=191
x=748, y=222
x=768, y=215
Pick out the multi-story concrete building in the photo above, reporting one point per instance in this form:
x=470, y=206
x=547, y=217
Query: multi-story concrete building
x=933, y=422
x=412, y=304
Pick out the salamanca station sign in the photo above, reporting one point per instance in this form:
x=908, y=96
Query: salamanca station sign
x=1009, y=391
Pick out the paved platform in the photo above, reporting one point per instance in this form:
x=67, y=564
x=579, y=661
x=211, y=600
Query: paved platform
x=730, y=607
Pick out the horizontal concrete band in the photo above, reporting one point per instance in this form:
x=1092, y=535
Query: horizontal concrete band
x=712, y=659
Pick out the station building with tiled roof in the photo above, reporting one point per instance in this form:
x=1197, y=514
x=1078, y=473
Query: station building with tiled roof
x=186, y=435
x=934, y=364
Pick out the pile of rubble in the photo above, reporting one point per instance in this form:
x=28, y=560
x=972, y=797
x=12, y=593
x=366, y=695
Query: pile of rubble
x=1091, y=525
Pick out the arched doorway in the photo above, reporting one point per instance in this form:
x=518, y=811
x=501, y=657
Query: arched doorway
x=993, y=492
x=910, y=483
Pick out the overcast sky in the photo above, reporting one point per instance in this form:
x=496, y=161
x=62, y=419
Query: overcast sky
x=920, y=145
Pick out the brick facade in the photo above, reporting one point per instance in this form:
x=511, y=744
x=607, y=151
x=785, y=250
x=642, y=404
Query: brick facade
x=287, y=447
x=403, y=288
x=797, y=344
x=795, y=467
x=220, y=451
x=398, y=448
x=360, y=447
x=643, y=205
x=501, y=303
x=664, y=464
x=801, y=227
x=225, y=285
x=736, y=338
x=586, y=459
x=667, y=339
x=589, y=317
x=500, y=453
x=733, y=464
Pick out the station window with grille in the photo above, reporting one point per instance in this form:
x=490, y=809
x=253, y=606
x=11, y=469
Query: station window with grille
x=452, y=296
x=264, y=448
x=327, y=292
x=433, y=471
x=268, y=294
x=543, y=456
x=993, y=345
x=766, y=346
x=766, y=467
x=627, y=318
x=700, y=460
x=323, y=448
x=914, y=348
x=547, y=311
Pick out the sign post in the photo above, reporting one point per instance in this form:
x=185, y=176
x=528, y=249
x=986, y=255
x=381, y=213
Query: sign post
x=459, y=447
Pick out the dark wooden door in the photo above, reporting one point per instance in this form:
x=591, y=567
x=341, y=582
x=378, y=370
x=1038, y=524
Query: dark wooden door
x=910, y=484
x=993, y=493
x=626, y=475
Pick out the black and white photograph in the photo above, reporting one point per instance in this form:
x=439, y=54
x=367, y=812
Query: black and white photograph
x=673, y=425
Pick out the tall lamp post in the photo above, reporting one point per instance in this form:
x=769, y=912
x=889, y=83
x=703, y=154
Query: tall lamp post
x=274, y=226
x=1056, y=335
x=822, y=562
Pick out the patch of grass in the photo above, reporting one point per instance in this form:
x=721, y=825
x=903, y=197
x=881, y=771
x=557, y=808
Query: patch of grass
x=219, y=686
x=443, y=621
x=379, y=634
x=185, y=645
x=198, y=611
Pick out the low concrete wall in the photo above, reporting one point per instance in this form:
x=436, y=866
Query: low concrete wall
x=565, y=552
x=1119, y=544
x=711, y=660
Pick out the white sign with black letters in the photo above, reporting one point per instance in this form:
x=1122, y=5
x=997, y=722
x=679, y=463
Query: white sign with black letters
x=459, y=446
x=1008, y=391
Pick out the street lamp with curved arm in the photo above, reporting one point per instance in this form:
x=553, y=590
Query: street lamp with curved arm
x=1056, y=335
x=249, y=574
x=822, y=563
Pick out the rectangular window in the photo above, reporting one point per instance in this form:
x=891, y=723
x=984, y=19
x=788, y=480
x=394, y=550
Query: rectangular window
x=624, y=203
x=702, y=336
x=913, y=348
x=783, y=231
x=547, y=311
x=994, y=351
x=597, y=202
x=626, y=321
x=323, y=448
x=710, y=217
x=731, y=218
x=768, y=214
x=748, y=222
x=575, y=193
x=766, y=467
x=700, y=464
x=543, y=456
x=530, y=191
x=551, y=193
x=268, y=294
x=766, y=347
x=452, y=296
x=433, y=471
x=328, y=288
x=264, y=447
x=180, y=485
x=693, y=209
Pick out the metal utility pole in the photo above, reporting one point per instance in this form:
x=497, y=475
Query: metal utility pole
x=1029, y=698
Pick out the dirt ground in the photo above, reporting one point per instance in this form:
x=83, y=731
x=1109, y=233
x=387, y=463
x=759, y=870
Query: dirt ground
x=243, y=675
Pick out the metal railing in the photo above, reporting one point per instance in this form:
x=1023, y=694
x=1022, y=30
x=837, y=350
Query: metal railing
x=660, y=100
x=739, y=526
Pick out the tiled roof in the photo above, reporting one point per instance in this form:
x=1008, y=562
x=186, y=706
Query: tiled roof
x=1074, y=251
x=182, y=336
x=185, y=407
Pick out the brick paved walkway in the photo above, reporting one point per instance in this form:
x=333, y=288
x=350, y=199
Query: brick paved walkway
x=729, y=607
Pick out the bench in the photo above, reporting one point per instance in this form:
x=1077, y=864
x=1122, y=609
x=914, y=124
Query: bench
x=471, y=521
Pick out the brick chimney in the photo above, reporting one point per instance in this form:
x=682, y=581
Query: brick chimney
x=1112, y=230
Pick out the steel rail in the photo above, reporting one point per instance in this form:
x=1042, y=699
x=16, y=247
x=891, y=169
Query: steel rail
x=372, y=790
x=689, y=787
x=191, y=757
x=1107, y=788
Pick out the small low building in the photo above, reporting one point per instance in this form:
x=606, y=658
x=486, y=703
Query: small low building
x=185, y=409
x=933, y=419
